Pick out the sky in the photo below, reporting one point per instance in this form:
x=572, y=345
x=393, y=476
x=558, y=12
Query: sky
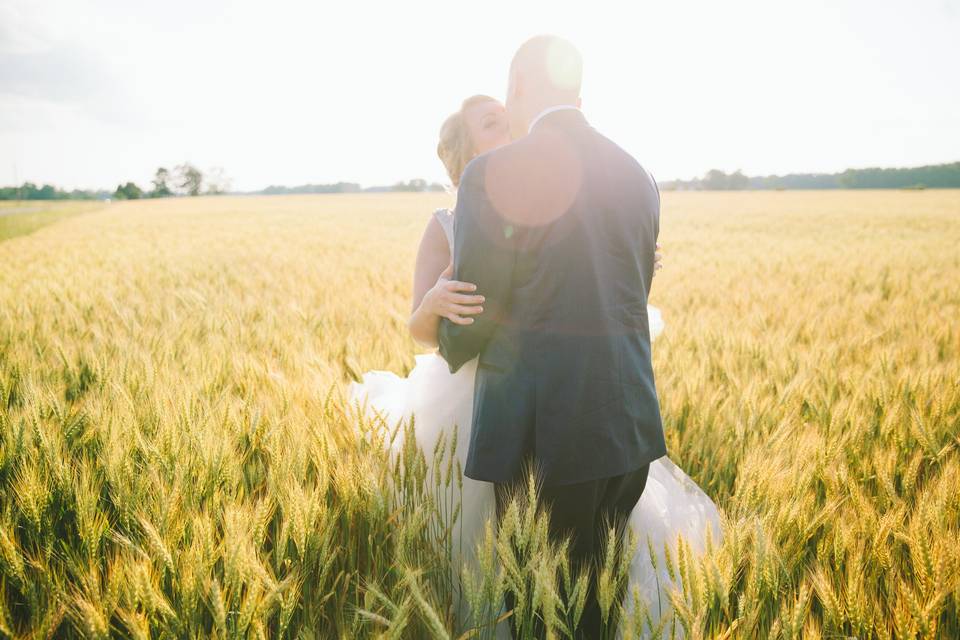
x=93, y=93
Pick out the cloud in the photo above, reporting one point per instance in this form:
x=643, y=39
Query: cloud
x=16, y=31
x=60, y=73
x=44, y=72
x=67, y=76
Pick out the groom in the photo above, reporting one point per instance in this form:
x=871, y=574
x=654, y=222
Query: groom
x=558, y=231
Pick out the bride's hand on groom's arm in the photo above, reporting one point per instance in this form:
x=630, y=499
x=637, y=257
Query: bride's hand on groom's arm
x=657, y=260
x=453, y=299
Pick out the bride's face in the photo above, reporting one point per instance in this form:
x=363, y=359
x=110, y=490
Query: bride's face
x=487, y=125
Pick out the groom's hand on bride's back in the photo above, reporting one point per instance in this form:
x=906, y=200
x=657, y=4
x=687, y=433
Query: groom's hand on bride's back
x=453, y=300
x=657, y=260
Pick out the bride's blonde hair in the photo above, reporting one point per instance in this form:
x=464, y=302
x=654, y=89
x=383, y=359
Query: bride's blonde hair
x=455, y=148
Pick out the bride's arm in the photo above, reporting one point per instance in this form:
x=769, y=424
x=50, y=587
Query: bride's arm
x=434, y=294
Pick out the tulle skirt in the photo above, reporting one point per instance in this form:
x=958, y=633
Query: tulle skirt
x=672, y=504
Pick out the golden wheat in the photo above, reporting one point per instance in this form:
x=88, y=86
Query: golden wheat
x=176, y=459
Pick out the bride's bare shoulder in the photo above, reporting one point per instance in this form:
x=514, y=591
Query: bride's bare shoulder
x=433, y=256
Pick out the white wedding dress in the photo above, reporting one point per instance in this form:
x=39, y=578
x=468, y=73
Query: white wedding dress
x=672, y=504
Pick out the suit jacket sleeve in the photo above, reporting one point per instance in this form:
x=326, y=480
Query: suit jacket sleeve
x=483, y=254
x=656, y=216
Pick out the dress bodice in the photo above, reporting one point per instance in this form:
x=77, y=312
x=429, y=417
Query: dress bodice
x=445, y=218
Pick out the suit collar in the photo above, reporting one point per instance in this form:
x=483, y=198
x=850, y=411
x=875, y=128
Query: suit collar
x=560, y=114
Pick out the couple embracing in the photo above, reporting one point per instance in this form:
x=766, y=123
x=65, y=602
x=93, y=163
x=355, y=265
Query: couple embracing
x=534, y=289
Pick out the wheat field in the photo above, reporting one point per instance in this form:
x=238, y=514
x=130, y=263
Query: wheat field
x=177, y=460
x=21, y=218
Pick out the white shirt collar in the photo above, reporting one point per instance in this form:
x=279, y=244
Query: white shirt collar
x=549, y=110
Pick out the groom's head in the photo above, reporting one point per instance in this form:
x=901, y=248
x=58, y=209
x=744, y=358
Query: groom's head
x=546, y=71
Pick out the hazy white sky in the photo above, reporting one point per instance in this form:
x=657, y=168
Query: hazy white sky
x=97, y=92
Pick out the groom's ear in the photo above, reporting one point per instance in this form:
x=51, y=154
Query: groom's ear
x=579, y=102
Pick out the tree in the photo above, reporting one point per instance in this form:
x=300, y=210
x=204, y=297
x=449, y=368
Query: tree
x=217, y=181
x=128, y=191
x=46, y=192
x=160, y=187
x=737, y=180
x=415, y=185
x=715, y=180
x=720, y=181
x=189, y=179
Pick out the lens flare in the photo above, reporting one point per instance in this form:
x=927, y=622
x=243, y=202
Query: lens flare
x=564, y=66
x=534, y=186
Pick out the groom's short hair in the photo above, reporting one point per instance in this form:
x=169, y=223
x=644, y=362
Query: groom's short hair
x=551, y=63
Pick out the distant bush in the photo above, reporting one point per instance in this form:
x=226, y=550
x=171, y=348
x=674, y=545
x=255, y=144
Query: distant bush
x=939, y=176
x=128, y=191
x=30, y=191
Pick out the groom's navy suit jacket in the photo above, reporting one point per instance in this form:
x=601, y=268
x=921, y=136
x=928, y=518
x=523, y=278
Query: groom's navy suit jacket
x=558, y=230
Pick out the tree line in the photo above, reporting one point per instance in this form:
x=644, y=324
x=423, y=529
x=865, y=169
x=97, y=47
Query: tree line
x=938, y=176
x=184, y=180
x=31, y=191
x=414, y=186
x=187, y=180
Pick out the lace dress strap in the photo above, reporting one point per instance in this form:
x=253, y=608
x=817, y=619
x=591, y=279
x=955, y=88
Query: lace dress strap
x=445, y=218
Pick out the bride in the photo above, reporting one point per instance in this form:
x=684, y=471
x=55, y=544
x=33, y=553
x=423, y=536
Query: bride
x=442, y=403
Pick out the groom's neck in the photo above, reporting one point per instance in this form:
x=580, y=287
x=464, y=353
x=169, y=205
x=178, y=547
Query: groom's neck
x=540, y=106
